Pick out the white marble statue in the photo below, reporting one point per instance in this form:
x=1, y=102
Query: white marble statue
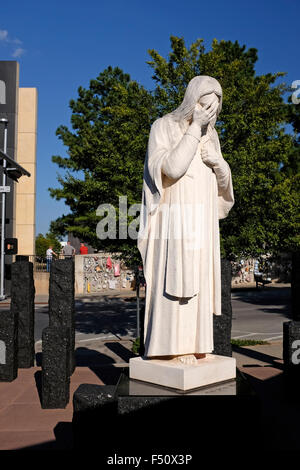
x=187, y=188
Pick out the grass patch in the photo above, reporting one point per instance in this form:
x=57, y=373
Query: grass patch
x=247, y=342
x=136, y=346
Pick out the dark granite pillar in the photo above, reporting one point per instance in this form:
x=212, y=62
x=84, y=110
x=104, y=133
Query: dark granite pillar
x=55, y=367
x=62, y=301
x=222, y=323
x=22, y=303
x=8, y=345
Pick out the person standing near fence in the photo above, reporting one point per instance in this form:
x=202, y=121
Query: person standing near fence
x=68, y=250
x=49, y=256
x=83, y=249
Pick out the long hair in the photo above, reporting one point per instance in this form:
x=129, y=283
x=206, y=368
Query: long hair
x=199, y=86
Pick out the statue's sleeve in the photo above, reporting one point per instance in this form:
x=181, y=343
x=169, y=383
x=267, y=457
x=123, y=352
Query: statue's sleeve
x=156, y=153
x=162, y=158
x=225, y=188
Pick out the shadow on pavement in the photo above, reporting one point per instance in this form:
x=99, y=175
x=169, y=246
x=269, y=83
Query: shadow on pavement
x=103, y=365
x=117, y=348
x=89, y=357
x=271, y=299
x=260, y=356
x=38, y=383
x=63, y=432
x=106, y=316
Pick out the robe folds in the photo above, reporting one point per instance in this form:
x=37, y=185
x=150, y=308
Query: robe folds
x=179, y=242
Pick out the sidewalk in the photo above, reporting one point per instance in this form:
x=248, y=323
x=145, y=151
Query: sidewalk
x=249, y=287
x=39, y=299
x=24, y=424
x=43, y=298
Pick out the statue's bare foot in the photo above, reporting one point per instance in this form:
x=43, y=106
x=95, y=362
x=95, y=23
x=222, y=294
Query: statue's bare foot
x=188, y=359
x=182, y=359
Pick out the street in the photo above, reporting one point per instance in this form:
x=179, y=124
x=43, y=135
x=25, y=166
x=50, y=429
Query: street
x=257, y=314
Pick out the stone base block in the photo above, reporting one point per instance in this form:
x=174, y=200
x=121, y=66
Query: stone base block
x=210, y=370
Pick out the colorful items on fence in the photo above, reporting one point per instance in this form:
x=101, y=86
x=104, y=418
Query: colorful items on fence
x=117, y=270
x=102, y=272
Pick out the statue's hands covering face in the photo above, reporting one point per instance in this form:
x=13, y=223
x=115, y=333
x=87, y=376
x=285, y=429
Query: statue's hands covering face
x=202, y=115
x=212, y=101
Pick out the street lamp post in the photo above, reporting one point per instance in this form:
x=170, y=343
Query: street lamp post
x=2, y=253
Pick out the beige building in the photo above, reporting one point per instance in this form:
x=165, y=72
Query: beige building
x=25, y=189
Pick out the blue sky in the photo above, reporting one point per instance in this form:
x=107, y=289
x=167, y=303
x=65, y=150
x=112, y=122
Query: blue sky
x=61, y=45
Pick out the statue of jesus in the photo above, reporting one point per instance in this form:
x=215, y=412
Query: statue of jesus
x=187, y=188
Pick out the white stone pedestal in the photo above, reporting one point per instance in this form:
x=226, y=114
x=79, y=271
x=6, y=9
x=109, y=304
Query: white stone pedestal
x=210, y=370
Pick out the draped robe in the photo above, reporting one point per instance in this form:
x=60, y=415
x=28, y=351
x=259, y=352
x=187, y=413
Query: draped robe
x=179, y=243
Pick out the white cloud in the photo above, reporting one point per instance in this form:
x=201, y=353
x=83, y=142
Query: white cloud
x=14, y=43
x=18, y=52
x=3, y=35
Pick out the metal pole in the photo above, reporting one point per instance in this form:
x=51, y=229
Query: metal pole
x=2, y=253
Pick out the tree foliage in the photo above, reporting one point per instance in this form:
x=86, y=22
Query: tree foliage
x=106, y=147
x=110, y=128
x=42, y=244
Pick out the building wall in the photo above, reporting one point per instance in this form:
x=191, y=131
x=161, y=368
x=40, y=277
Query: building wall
x=25, y=189
x=9, y=102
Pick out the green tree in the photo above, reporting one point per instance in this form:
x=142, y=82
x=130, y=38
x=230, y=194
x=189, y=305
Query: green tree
x=42, y=244
x=106, y=147
x=110, y=128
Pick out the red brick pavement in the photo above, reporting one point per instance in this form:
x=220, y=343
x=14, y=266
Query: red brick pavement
x=23, y=423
